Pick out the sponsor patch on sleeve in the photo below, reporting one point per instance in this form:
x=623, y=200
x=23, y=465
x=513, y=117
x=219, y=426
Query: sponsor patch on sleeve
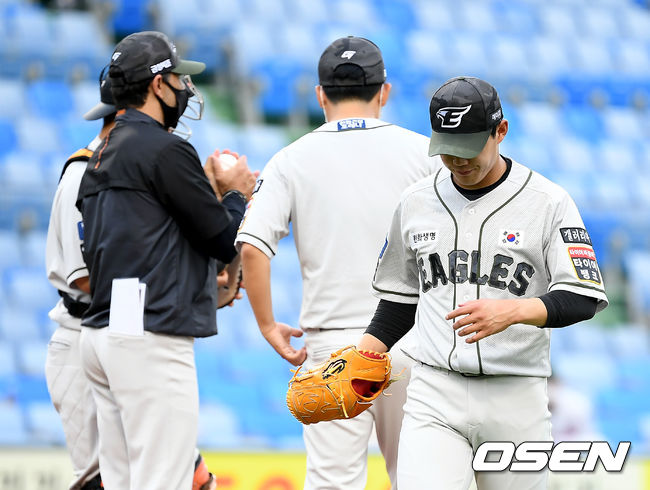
x=584, y=263
x=419, y=238
x=575, y=235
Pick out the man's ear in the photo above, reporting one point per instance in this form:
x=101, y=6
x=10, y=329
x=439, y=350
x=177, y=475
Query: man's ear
x=320, y=96
x=156, y=85
x=502, y=130
x=385, y=92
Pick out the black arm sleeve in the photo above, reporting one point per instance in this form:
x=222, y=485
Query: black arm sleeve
x=222, y=245
x=392, y=321
x=566, y=308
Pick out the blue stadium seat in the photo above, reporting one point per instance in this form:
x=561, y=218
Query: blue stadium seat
x=583, y=122
x=476, y=16
x=598, y=21
x=428, y=50
x=77, y=133
x=593, y=56
x=260, y=143
x=219, y=427
x=278, y=79
x=630, y=342
x=31, y=358
x=50, y=98
x=635, y=21
x=31, y=389
x=12, y=98
x=515, y=17
x=21, y=173
x=620, y=427
x=623, y=124
x=557, y=20
x=308, y=12
x=28, y=288
x=8, y=373
x=632, y=56
x=549, y=56
x=8, y=138
x=19, y=325
x=10, y=246
x=12, y=425
x=33, y=244
x=585, y=371
x=44, y=423
x=634, y=375
x=130, y=16
x=38, y=135
x=80, y=37
x=574, y=155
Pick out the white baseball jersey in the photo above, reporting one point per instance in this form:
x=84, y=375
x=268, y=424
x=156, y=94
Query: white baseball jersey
x=521, y=240
x=63, y=258
x=349, y=160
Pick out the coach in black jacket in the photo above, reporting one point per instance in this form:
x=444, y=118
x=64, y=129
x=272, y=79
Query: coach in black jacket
x=153, y=229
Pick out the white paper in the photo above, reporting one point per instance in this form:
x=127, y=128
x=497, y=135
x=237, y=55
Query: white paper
x=126, y=314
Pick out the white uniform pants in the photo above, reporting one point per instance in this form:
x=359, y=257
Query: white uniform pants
x=337, y=451
x=447, y=416
x=146, y=393
x=71, y=395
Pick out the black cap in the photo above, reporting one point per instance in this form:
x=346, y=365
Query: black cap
x=463, y=112
x=355, y=51
x=106, y=106
x=143, y=55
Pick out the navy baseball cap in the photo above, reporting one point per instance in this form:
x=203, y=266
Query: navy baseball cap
x=143, y=55
x=356, y=51
x=106, y=105
x=463, y=112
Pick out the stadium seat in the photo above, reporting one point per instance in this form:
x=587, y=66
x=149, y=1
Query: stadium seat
x=219, y=427
x=516, y=17
x=28, y=287
x=12, y=425
x=38, y=135
x=632, y=57
x=31, y=358
x=19, y=325
x=77, y=133
x=585, y=372
x=12, y=98
x=598, y=21
x=31, y=388
x=8, y=138
x=44, y=424
x=261, y=143
x=11, y=254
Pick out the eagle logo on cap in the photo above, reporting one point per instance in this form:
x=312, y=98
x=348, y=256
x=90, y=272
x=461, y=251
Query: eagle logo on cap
x=451, y=117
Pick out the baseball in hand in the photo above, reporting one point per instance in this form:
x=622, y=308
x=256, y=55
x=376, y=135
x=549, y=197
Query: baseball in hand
x=227, y=160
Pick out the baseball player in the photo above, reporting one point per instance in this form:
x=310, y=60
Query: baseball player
x=337, y=185
x=484, y=257
x=68, y=386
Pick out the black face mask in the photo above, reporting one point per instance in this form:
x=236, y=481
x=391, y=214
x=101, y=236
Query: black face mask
x=171, y=115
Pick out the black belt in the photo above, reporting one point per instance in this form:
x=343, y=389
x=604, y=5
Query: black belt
x=74, y=307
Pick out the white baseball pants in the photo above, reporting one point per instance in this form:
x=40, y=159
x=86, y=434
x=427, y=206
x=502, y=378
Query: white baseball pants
x=337, y=451
x=146, y=393
x=72, y=397
x=447, y=416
